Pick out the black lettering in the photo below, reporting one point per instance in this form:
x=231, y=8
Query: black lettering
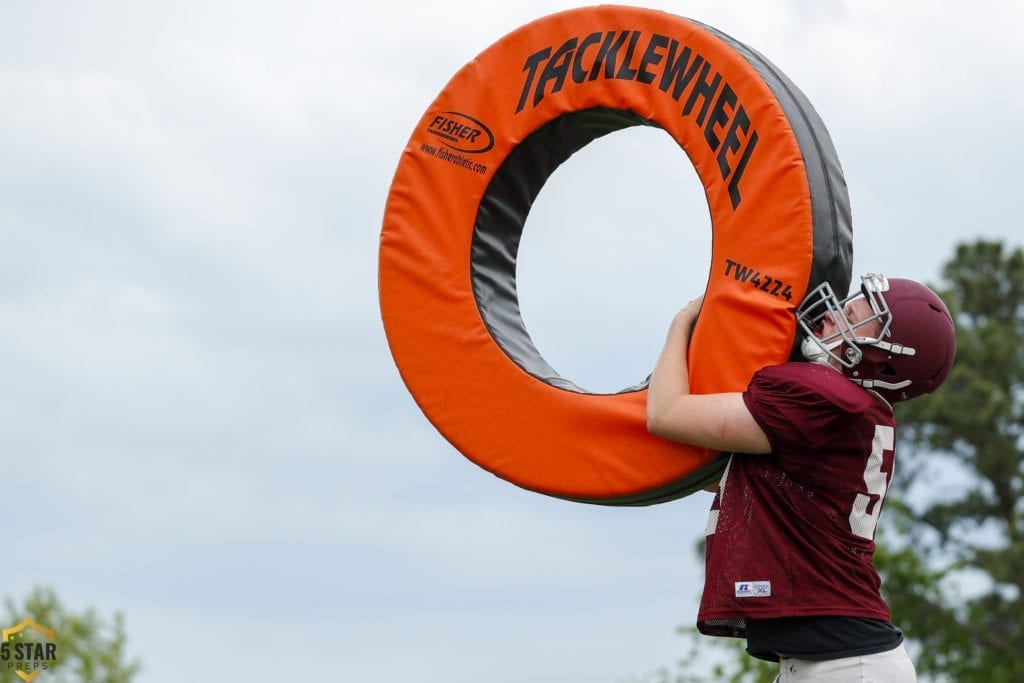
x=437, y=121
x=606, y=55
x=625, y=73
x=719, y=116
x=742, y=273
x=579, y=74
x=451, y=129
x=675, y=68
x=734, y=182
x=681, y=69
x=729, y=265
x=732, y=141
x=702, y=89
x=651, y=58
x=555, y=70
x=532, y=62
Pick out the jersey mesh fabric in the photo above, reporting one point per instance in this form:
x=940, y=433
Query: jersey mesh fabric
x=791, y=534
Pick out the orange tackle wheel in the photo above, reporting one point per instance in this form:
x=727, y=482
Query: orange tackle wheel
x=472, y=169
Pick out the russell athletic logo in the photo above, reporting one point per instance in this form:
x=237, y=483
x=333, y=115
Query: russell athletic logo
x=462, y=132
x=753, y=589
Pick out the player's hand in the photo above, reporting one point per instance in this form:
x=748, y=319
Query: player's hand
x=693, y=308
x=687, y=316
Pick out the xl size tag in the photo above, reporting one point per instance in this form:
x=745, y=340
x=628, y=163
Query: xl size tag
x=753, y=589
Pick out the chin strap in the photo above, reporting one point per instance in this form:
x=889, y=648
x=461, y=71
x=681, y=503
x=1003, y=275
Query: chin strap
x=881, y=398
x=816, y=351
x=881, y=383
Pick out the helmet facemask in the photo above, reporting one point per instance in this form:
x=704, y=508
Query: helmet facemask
x=844, y=345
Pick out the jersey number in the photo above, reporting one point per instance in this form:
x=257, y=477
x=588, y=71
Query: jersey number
x=862, y=522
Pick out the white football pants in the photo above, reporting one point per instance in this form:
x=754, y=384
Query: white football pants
x=893, y=666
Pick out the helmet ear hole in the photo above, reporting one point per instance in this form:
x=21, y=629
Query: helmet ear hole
x=888, y=370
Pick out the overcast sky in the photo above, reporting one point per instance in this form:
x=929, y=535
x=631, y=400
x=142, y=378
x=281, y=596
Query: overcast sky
x=200, y=423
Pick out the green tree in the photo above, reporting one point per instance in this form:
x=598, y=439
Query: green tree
x=951, y=542
x=90, y=648
x=953, y=558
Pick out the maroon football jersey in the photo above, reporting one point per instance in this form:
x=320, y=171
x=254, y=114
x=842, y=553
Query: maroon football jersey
x=791, y=533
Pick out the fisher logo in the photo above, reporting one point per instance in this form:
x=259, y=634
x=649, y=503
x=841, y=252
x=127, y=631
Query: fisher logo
x=28, y=649
x=753, y=589
x=462, y=132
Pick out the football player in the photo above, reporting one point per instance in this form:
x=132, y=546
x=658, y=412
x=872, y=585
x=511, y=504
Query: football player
x=790, y=534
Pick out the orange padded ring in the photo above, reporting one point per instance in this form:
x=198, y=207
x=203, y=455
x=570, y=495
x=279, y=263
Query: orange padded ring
x=464, y=186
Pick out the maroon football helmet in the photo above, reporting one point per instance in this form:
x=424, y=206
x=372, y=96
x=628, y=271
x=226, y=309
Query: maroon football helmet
x=910, y=351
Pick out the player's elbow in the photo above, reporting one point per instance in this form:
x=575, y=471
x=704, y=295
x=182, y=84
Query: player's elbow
x=652, y=423
x=657, y=420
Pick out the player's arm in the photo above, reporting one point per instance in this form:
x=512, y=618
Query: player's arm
x=717, y=421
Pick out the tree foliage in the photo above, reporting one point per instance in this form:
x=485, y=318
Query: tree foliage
x=90, y=648
x=953, y=560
